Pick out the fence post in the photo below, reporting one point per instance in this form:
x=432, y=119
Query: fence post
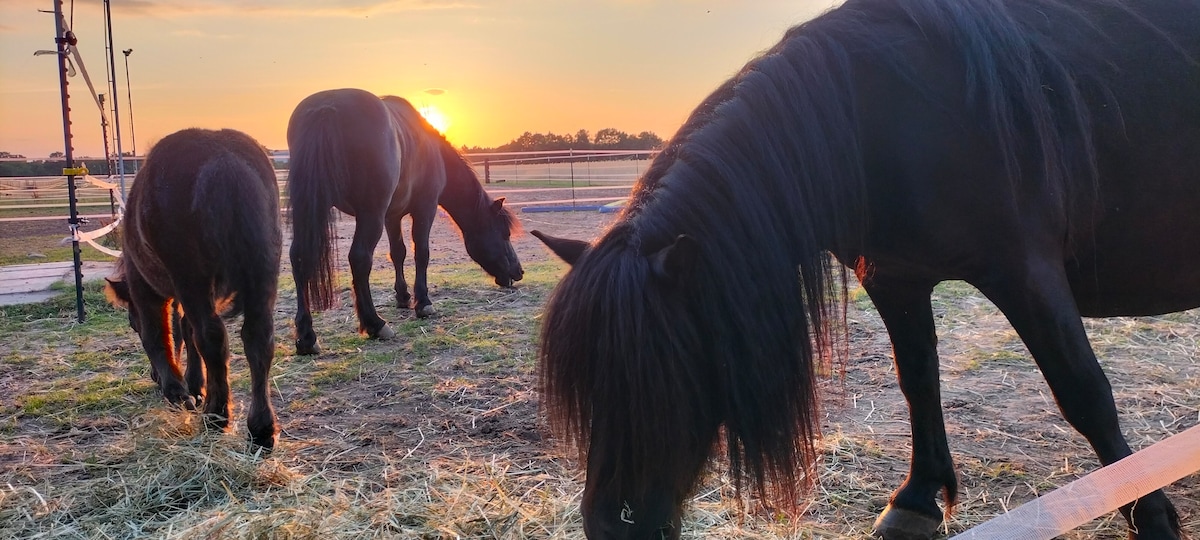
x=487, y=170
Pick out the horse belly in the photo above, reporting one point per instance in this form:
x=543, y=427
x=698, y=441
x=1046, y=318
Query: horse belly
x=1147, y=262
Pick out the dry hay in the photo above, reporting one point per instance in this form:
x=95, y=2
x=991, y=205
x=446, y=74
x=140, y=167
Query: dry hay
x=434, y=435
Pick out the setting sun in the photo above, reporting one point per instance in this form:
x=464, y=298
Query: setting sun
x=435, y=118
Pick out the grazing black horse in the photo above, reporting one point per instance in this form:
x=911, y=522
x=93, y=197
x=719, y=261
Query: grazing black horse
x=378, y=160
x=1045, y=151
x=202, y=234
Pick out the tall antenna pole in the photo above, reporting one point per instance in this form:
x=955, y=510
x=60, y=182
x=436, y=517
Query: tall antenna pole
x=112, y=68
x=62, y=39
x=129, y=92
x=108, y=157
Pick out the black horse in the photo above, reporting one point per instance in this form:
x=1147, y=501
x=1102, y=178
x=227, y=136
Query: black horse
x=378, y=160
x=203, y=234
x=1045, y=151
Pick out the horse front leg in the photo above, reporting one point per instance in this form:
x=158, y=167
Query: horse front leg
x=912, y=512
x=422, y=223
x=258, y=339
x=155, y=331
x=194, y=374
x=367, y=232
x=306, y=338
x=1037, y=301
x=397, y=253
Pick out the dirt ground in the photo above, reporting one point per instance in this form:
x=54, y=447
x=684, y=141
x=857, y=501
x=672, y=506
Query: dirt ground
x=467, y=402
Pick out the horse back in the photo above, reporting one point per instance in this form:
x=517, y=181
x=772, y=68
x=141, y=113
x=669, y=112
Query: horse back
x=356, y=126
x=943, y=206
x=204, y=209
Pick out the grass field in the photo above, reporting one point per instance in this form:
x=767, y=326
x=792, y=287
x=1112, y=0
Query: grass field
x=435, y=434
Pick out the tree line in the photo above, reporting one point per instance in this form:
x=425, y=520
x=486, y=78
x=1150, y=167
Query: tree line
x=605, y=139
x=54, y=164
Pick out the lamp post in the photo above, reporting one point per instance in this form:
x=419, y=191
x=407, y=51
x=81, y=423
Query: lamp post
x=129, y=93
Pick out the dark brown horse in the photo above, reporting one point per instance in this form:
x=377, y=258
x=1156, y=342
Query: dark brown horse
x=378, y=160
x=1045, y=151
x=203, y=234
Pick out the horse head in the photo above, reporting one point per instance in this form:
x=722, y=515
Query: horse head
x=625, y=377
x=116, y=291
x=490, y=244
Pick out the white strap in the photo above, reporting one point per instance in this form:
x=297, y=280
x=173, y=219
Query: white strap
x=1096, y=494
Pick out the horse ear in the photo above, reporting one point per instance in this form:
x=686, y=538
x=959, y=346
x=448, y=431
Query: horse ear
x=498, y=205
x=117, y=292
x=677, y=259
x=567, y=249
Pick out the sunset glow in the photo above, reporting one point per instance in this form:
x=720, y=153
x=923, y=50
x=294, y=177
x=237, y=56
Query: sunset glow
x=435, y=118
x=481, y=72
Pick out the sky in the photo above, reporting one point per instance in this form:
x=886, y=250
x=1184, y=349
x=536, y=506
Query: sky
x=490, y=69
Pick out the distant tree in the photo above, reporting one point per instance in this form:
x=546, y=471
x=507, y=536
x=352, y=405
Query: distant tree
x=606, y=139
x=57, y=155
x=647, y=140
x=11, y=155
x=610, y=139
x=583, y=139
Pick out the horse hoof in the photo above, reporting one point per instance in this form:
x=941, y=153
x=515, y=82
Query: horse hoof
x=900, y=524
x=425, y=311
x=307, y=350
x=385, y=333
x=216, y=421
x=264, y=442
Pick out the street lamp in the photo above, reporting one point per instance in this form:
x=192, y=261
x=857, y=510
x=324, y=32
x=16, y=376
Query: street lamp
x=129, y=92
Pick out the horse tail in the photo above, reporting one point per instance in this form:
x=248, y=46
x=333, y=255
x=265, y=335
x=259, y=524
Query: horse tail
x=238, y=190
x=317, y=169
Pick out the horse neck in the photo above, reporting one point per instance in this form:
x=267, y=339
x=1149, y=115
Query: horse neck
x=462, y=197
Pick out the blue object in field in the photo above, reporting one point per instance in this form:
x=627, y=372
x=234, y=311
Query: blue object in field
x=614, y=206
x=576, y=208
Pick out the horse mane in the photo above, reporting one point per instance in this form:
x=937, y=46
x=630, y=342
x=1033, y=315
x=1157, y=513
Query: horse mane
x=626, y=358
x=461, y=175
x=461, y=179
x=419, y=142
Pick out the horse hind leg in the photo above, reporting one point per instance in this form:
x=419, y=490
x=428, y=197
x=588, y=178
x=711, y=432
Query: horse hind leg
x=212, y=342
x=258, y=339
x=367, y=232
x=397, y=253
x=306, y=338
x=912, y=512
x=1039, y=305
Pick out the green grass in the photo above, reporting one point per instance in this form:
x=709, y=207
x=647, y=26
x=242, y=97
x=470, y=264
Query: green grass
x=6, y=211
x=101, y=316
x=61, y=400
x=50, y=247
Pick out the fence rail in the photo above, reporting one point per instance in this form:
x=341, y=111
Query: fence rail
x=504, y=173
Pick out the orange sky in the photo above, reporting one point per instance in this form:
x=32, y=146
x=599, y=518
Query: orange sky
x=504, y=66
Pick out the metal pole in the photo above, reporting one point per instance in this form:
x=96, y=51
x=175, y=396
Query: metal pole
x=62, y=39
x=129, y=92
x=572, y=158
x=108, y=160
x=112, y=68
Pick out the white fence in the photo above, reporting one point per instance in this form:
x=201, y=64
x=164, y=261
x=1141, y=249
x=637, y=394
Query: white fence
x=500, y=171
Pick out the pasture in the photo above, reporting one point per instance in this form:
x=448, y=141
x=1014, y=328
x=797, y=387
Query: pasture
x=435, y=434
